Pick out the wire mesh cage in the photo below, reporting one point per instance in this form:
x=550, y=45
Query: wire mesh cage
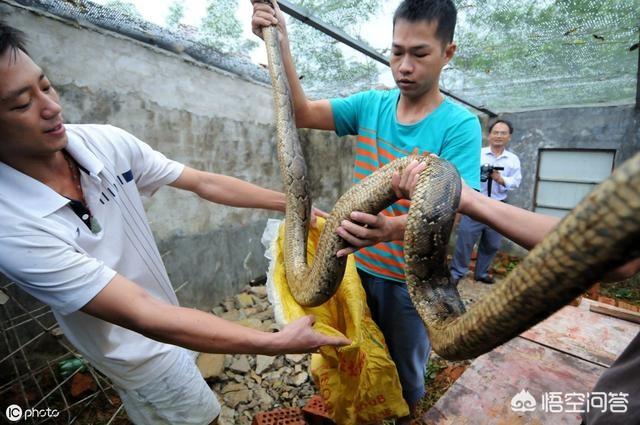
x=42, y=374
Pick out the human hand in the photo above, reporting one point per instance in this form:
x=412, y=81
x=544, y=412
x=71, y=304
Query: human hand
x=300, y=337
x=266, y=14
x=495, y=175
x=405, y=183
x=368, y=229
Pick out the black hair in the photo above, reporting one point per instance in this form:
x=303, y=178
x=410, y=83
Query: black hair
x=442, y=12
x=503, y=121
x=12, y=39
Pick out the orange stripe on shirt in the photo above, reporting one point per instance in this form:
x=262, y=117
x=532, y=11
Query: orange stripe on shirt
x=367, y=154
x=365, y=165
x=385, y=154
x=368, y=140
x=388, y=213
x=380, y=259
x=358, y=175
x=386, y=248
x=394, y=212
x=379, y=270
x=404, y=202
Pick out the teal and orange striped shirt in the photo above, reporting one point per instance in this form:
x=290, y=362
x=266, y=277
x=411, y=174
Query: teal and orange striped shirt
x=451, y=132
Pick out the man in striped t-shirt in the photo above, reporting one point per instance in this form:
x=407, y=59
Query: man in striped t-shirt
x=415, y=117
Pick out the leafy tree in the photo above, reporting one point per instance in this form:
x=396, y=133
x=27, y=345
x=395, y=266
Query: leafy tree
x=125, y=7
x=320, y=60
x=176, y=13
x=516, y=53
x=221, y=29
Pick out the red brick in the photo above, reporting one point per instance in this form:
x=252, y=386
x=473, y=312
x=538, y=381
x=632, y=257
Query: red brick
x=290, y=416
x=627, y=306
x=607, y=300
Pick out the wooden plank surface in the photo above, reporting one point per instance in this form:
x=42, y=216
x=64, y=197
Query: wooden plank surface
x=590, y=336
x=620, y=313
x=585, y=342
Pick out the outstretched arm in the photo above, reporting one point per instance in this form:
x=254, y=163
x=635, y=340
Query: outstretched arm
x=526, y=228
x=227, y=190
x=234, y=192
x=126, y=304
x=309, y=113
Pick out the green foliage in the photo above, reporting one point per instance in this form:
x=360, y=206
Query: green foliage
x=511, y=265
x=554, y=51
x=433, y=368
x=627, y=290
x=176, y=13
x=322, y=61
x=221, y=29
x=125, y=7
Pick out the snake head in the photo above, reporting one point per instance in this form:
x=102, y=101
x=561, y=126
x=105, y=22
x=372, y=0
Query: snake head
x=437, y=299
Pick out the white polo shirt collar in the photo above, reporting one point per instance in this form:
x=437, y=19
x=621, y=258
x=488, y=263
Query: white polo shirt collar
x=35, y=196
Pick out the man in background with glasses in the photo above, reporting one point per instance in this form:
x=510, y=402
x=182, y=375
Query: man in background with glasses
x=504, y=175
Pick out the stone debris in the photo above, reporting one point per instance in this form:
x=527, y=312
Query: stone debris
x=263, y=363
x=249, y=384
x=245, y=300
x=295, y=358
x=299, y=379
x=240, y=364
x=210, y=365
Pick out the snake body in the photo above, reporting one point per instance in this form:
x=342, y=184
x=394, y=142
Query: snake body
x=602, y=232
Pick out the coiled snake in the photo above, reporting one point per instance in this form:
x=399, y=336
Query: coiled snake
x=601, y=233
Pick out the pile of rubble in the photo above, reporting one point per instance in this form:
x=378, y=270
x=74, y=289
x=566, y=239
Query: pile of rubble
x=246, y=384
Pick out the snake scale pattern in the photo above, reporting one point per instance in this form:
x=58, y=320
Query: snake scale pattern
x=601, y=233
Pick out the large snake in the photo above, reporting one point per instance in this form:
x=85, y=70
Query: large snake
x=601, y=233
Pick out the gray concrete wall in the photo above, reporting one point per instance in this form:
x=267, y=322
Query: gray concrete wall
x=197, y=114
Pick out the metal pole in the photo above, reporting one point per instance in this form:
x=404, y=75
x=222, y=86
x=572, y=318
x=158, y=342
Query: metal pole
x=306, y=17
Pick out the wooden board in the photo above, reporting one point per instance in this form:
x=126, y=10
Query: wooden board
x=565, y=354
x=590, y=336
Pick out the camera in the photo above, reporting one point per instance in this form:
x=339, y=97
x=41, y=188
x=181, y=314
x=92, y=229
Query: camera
x=486, y=170
x=485, y=175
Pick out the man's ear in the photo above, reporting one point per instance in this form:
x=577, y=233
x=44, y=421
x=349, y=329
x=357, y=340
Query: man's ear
x=449, y=51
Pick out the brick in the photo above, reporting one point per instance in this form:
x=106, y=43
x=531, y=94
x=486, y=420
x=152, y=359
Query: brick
x=607, y=300
x=290, y=416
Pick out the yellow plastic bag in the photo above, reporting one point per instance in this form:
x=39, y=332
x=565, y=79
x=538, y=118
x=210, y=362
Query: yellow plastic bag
x=358, y=383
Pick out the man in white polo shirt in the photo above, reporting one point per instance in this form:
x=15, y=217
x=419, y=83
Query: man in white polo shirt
x=498, y=184
x=74, y=234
